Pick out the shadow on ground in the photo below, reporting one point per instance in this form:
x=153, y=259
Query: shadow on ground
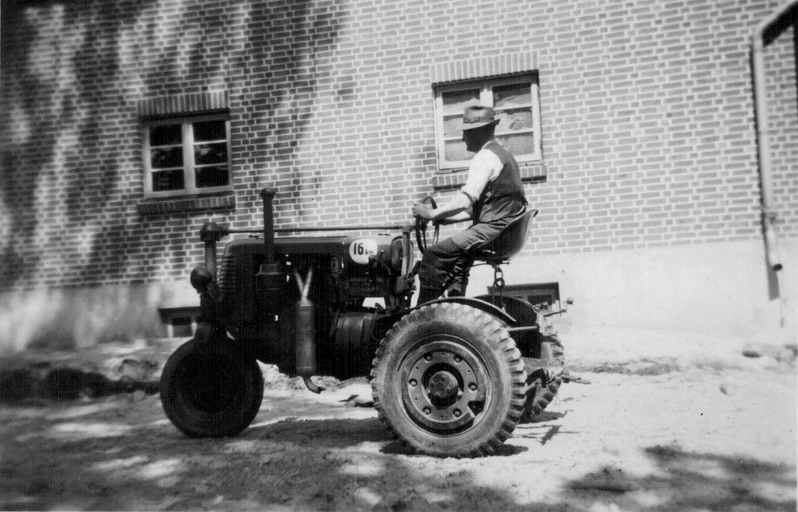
x=692, y=481
x=121, y=454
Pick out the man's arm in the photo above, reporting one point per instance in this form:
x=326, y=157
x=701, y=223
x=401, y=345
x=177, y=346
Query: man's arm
x=482, y=169
x=458, y=217
x=456, y=210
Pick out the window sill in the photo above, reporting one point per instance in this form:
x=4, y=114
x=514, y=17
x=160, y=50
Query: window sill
x=226, y=201
x=530, y=172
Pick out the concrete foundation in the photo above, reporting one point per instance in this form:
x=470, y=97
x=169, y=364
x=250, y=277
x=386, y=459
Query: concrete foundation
x=723, y=288
x=79, y=317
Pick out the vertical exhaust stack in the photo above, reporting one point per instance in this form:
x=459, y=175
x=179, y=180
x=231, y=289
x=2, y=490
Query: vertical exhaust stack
x=270, y=282
x=305, y=333
x=267, y=195
x=271, y=278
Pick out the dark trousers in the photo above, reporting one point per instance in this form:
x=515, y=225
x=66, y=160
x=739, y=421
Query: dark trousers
x=444, y=263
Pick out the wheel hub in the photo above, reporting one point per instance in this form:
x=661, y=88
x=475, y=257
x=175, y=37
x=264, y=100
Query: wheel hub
x=442, y=385
x=445, y=385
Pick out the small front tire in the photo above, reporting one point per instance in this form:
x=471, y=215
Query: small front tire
x=211, y=389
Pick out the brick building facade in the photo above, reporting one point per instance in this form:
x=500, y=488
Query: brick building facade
x=636, y=119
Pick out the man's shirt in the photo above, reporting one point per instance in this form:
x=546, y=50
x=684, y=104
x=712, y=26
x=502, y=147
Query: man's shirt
x=485, y=167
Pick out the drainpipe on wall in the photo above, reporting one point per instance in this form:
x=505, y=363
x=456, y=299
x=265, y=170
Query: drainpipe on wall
x=763, y=131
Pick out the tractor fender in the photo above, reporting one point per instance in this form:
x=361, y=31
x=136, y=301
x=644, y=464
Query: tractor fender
x=480, y=304
x=524, y=313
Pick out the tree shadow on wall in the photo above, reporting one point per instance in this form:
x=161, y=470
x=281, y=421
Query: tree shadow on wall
x=73, y=147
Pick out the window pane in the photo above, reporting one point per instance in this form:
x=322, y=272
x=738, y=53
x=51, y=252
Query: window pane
x=166, y=157
x=512, y=95
x=210, y=153
x=210, y=130
x=181, y=330
x=214, y=176
x=167, y=180
x=456, y=150
x=514, y=120
x=167, y=135
x=455, y=102
x=523, y=144
x=453, y=126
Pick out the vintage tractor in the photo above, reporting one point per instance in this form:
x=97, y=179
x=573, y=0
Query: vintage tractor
x=451, y=377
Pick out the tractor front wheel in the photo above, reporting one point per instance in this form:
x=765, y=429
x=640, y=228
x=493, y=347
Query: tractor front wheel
x=448, y=380
x=211, y=389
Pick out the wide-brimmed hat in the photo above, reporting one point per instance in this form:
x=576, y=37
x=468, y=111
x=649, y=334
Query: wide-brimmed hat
x=477, y=116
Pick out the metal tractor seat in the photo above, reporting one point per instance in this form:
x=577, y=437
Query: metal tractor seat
x=499, y=250
x=509, y=242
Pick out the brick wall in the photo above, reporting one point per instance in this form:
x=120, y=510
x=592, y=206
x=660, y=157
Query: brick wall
x=648, y=133
x=781, y=61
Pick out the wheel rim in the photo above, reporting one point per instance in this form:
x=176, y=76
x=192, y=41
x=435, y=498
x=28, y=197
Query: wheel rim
x=445, y=385
x=209, y=385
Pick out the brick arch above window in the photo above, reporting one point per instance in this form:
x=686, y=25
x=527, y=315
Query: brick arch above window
x=494, y=65
x=183, y=104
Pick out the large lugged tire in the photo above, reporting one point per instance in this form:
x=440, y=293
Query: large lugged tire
x=542, y=387
x=541, y=392
x=551, y=350
x=448, y=380
x=211, y=389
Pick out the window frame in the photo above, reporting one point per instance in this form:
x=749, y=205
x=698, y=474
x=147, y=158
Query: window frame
x=526, y=291
x=187, y=144
x=485, y=86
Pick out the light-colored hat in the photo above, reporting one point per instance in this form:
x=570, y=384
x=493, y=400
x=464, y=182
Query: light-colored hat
x=477, y=116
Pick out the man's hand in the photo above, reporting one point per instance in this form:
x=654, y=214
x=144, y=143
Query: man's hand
x=422, y=210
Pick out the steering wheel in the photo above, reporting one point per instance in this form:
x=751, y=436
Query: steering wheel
x=421, y=227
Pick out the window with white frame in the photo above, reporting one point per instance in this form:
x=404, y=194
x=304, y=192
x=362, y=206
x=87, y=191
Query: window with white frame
x=516, y=103
x=187, y=156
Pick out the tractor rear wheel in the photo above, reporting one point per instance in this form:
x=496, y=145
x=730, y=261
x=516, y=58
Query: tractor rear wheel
x=542, y=391
x=448, y=380
x=211, y=389
x=542, y=387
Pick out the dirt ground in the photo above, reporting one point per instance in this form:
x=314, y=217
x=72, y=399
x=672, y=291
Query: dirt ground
x=719, y=439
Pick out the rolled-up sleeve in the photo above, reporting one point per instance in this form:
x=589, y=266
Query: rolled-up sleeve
x=484, y=167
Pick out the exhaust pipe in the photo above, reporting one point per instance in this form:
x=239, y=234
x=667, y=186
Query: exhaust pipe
x=270, y=278
x=305, y=333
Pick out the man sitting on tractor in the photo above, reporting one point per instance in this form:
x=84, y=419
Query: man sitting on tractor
x=492, y=198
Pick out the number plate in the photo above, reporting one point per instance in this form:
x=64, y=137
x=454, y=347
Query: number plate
x=361, y=249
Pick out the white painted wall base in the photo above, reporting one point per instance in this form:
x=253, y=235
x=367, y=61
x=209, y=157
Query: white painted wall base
x=67, y=318
x=723, y=288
